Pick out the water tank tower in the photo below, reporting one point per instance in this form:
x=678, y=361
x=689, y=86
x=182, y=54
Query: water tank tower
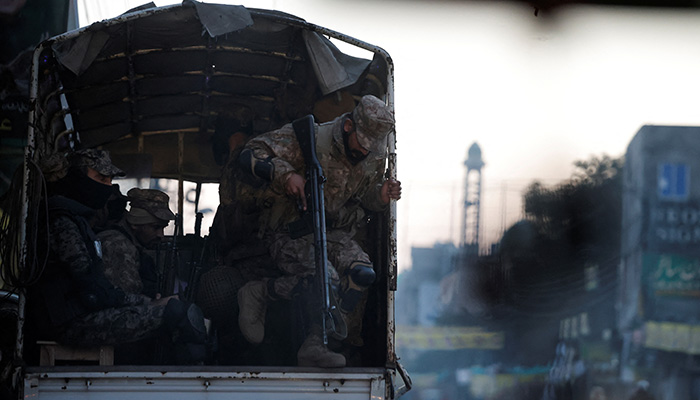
x=472, y=200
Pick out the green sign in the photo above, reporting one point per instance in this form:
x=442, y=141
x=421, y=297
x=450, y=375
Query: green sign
x=672, y=274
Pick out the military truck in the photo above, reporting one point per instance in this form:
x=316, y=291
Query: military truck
x=164, y=89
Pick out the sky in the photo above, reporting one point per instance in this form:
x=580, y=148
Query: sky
x=536, y=93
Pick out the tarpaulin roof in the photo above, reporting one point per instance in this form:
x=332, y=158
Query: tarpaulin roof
x=153, y=82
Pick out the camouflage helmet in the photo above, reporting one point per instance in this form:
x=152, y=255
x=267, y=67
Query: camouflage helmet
x=373, y=122
x=98, y=160
x=148, y=206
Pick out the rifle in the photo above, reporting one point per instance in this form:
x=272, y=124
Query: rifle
x=170, y=261
x=331, y=320
x=196, y=266
x=165, y=277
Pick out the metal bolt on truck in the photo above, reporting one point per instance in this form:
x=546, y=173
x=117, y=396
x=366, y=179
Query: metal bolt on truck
x=160, y=88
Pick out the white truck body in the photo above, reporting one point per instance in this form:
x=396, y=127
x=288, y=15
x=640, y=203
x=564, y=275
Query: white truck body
x=97, y=383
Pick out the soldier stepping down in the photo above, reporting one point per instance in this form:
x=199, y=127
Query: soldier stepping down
x=352, y=151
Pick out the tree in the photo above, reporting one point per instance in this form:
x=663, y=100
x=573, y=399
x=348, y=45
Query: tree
x=538, y=277
x=583, y=213
x=568, y=227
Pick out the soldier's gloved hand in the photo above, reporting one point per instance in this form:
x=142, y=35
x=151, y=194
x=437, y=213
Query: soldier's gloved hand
x=294, y=186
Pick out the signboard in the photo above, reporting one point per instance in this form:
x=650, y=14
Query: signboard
x=674, y=226
x=672, y=274
x=673, y=181
x=448, y=338
x=671, y=336
x=674, y=219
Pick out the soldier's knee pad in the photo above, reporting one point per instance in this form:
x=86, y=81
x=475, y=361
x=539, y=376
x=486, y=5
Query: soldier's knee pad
x=360, y=276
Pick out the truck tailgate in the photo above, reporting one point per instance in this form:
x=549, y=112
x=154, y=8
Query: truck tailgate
x=100, y=383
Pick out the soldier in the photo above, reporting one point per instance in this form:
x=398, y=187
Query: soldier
x=73, y=302
x=126, y=244
x=352, y=152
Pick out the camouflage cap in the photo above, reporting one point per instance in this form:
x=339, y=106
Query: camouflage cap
x=98, y=160
x=147, y=206
x=373, y=122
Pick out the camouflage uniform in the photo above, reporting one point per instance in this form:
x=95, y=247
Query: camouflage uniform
x=122, y=255
x=74, y=302
x=349, y=187
x=128, y=264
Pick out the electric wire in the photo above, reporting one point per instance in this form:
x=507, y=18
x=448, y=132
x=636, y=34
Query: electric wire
x=23, y=263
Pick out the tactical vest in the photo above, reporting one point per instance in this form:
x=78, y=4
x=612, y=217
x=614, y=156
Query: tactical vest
x=64, y=296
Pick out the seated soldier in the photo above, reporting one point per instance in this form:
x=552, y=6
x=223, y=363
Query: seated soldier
x=126, y=245
x=73, y=302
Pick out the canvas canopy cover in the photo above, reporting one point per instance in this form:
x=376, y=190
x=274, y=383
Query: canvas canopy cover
x=157, y=81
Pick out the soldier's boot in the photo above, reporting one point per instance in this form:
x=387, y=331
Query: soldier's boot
x=187, y=321
x=313, y=353
x=252, y=308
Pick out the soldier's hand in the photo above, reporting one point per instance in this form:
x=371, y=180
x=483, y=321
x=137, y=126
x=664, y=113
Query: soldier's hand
x=294, y=186
x=391, y=190
x=161, y=301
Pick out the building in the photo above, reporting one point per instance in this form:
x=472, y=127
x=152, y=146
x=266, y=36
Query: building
x=659, y=297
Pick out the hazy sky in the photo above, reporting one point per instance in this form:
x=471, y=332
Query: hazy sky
x=535, y=93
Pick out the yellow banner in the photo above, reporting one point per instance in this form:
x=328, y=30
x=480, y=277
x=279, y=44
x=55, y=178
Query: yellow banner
x=448, y=338
x=671, y=336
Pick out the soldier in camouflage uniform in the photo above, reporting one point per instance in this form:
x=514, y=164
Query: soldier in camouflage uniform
x=127, y=244
x=352, y=152
x=73, y=302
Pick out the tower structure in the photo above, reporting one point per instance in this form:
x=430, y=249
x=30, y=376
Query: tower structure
x=472, y=200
